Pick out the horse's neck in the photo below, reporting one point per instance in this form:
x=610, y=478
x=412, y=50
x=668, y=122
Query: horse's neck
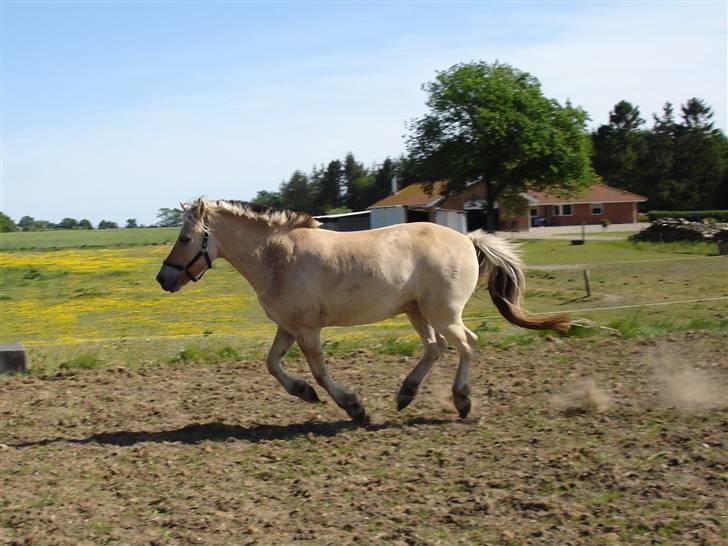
x=243, y=244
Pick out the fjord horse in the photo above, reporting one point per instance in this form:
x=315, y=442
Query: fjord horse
x=308, y=278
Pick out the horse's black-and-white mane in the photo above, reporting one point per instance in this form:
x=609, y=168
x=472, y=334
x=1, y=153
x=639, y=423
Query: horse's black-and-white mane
x=272, y=216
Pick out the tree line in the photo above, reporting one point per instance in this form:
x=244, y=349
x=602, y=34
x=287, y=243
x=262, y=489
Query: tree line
x=341, y=185
x=679, y=163
x=28, y=223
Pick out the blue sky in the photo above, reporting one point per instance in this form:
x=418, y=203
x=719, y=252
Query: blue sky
x=111, y=110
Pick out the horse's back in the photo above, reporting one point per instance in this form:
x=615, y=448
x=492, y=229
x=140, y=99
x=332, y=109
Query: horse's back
x=405, y=257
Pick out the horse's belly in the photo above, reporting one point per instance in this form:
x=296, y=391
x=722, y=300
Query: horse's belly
x=361, y=311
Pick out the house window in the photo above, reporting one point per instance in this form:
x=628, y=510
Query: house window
x=533, y=212
x=562, y=210
x=597, y=208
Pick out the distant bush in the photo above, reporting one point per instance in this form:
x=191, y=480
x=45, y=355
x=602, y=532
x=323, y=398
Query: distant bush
x=7, y=224
x=692, y=215
x=198, y=354
x=85, y=361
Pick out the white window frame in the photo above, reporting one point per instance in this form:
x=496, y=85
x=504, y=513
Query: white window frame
x=601, y=209
x=558, y=210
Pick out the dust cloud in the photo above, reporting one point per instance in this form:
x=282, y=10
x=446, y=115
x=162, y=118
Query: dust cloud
x=582, y=396
x=685, y=387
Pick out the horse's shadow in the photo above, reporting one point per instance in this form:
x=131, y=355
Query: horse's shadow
x=218, y=432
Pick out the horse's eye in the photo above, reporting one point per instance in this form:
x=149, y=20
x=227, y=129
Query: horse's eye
x=185, y=239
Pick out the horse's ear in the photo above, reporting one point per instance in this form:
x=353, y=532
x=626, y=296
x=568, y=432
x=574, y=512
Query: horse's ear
x=201, y=208
x=183, y=206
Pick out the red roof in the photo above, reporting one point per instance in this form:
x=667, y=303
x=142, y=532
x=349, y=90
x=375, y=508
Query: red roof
x=598, y=193
x=415, y=195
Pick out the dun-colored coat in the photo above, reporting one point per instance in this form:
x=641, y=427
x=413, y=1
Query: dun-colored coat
x=308, y=278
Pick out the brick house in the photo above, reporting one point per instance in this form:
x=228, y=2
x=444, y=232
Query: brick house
x=600, y=202
x=464, y=211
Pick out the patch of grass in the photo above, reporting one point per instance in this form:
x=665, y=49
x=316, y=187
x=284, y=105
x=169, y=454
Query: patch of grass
x=294, y=353
x=486, y=327
x=191, y=353
x=344, y=344
x=31, y=274
x=228, y=354
x=392, y=345
x=555, y=252
x=100, y=527
x=37, y=240
x=80, y=301
x=522, y=338
x=641, y=324
x=606, y=497
x=84, y=361
x=88, y=293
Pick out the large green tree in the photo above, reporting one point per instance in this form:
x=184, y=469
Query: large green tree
x=330, y=182
x=491, y=123
x=268, y=199
x=383, y=180
x=68, y=223
x=26, y=223
x=618, y=147
x=700, y=157
x=685, y=161
x=168, y=217
x=296, y=193
x=355, y=181
x=6, y=223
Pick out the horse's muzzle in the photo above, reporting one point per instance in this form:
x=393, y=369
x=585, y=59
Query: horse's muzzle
x=169, y=280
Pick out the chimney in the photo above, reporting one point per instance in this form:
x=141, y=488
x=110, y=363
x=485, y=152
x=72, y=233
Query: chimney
x=394, y=184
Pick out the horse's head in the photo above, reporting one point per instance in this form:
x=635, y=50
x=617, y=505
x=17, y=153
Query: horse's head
x=193, y=252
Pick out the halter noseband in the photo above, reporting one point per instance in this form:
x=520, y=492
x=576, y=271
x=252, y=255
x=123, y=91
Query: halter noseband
x=200, y=254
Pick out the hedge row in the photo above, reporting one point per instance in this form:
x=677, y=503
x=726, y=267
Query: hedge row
x=693, y=215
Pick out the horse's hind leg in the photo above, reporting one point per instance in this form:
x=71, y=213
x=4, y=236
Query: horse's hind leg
x=464, y=341
x=294, y=385
x=310, y=343
x=434, y=345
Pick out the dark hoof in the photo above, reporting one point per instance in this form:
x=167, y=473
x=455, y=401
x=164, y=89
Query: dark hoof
x=462, y=404
x=305, y=392
x=405, y=396
x=403, y=401
x=357, y=414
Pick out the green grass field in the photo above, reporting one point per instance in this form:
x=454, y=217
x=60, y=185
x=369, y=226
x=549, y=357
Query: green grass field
x=35, y=240
x=99, y=305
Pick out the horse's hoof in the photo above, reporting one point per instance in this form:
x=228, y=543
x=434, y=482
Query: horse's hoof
x=357, y=414
x=305, y=392
x=462, y=404
x=403, y=401
x=405, y=396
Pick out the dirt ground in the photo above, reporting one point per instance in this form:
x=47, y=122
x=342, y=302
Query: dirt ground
x=578, y=441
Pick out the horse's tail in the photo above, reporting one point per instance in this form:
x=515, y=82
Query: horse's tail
x=500, y=261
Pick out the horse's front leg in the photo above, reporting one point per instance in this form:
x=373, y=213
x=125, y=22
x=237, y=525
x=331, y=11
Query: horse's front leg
x=294, y=385
x=310, y=343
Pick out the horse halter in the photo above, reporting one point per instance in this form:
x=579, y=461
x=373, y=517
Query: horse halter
x=200, y=254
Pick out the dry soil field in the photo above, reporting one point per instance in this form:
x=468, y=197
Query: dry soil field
x=576, y=441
